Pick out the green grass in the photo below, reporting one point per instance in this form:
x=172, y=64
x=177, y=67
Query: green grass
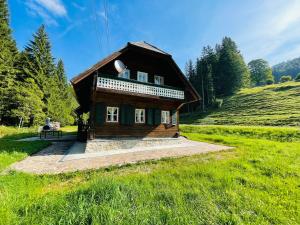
x=17, y=133
x=256, y=183
x=12, y=150
x=272, y=105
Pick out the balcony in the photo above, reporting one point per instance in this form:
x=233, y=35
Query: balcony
x=134, y=86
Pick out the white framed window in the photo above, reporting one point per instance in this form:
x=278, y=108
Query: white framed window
x=158, y=80
x=125, y=74
x=142, y=76
x=165, y=117
x=139, y=115
x=112, y=114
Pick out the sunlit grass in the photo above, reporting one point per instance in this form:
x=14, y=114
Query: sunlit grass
x=255, y=183
x=272, y=105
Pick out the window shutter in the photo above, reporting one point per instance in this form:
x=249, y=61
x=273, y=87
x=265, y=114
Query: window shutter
x=174, y=117
x=131, y=115
x=150, y=117
x=100, y=113
x=123, y=114
x=157, y=116
x=127, y=115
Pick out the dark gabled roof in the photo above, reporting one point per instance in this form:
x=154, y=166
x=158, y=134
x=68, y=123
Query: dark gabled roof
x=148, y=46
x=140, y=44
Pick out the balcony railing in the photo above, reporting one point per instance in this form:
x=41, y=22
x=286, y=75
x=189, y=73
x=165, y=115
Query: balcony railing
x=137, y=87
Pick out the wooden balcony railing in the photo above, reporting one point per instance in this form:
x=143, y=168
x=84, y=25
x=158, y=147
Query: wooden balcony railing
x=138, y=87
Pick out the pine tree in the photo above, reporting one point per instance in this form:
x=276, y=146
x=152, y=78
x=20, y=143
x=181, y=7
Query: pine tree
x=39, y=63
x=60, y=70
x=27, y=101
x=8, y=54
x=232, y=72
x=189, y=70
x=209, y=59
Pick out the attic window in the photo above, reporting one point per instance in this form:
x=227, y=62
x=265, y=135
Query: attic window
x=158, y=80
x=125, y=74
x=142, y=76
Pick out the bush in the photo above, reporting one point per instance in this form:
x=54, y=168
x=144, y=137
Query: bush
x=297, y=78
x=285, y=79
x=269, y=81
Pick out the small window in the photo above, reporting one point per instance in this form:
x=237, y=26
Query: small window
x=165, y=117
x=112, y=114
x=139, y=115
x=158, y=80
x=125, y=74
x=142, y=76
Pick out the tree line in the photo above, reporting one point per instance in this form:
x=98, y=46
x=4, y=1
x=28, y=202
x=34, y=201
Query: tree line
x=289, y=68
x=222, y=71
x=33, y=85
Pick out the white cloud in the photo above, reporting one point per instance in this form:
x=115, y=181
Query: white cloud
x=103, y=15
x=73, y=26
x=82, y=8
x=54, y=6
x=46, y=9
x=273, y=26
x=37, y=10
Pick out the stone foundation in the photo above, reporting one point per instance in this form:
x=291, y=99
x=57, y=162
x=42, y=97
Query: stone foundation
x=101, y=144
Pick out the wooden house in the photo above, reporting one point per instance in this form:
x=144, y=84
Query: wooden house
x=141, y=101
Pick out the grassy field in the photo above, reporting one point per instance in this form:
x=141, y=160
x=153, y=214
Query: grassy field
x=272, y=105
x=256, y=183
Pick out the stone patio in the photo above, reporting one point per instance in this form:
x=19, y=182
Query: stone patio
x=63, y=157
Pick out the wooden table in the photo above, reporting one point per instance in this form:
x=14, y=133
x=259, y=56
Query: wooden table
x=53, y=132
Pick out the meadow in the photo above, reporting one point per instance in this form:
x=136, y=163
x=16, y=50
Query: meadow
x=257, y=182
x=271, y=105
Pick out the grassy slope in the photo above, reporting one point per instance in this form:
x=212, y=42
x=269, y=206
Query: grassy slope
x=256, y=183
x=273, y=105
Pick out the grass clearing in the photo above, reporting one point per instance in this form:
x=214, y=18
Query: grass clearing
x=256, y=183
x=12, y=150
x=271, y=105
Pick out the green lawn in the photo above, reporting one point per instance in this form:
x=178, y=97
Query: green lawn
x=256, y=183
x=271, y=105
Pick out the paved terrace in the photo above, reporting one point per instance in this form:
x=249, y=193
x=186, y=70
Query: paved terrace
x=68, y=156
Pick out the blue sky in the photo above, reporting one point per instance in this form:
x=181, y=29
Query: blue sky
x=82, y=31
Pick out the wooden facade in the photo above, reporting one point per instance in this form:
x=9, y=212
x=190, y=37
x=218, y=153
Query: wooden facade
x=128, y=107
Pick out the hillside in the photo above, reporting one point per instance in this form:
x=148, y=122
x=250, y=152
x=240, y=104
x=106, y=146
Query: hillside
x=290, y=67
x=273, y=105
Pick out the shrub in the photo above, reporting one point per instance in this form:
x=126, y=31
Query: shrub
x=269, y=81
x=285, y=79
x=297, y=78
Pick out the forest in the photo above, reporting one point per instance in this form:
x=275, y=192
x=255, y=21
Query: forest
x=290, y=67
x=33, y=84
x=221, y=71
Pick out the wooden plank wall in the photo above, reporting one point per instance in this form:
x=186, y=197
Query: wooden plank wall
x=144, y=130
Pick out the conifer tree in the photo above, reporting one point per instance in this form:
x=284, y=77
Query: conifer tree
x=189, y=70
x=232, y=72
x=27, y=102
x=39, y=63
x=61, y=74
x=8, y=54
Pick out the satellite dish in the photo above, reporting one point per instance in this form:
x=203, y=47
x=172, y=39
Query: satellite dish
x=119, y=65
